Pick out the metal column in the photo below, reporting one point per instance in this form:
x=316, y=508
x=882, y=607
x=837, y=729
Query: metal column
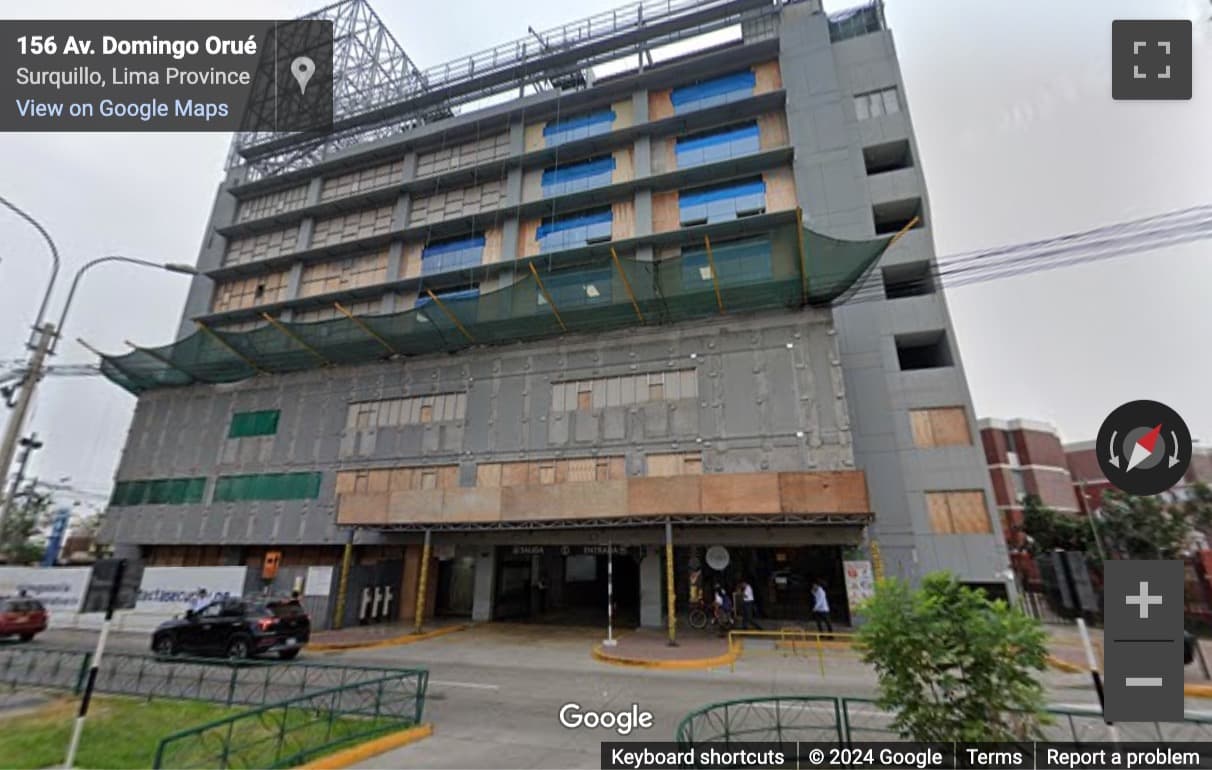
x=422, y=584
x=672, y=604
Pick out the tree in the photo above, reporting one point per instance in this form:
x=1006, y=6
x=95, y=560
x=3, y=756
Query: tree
x=1135, y=527
x=953, y=665
x=1047, y=529
x=29, y=514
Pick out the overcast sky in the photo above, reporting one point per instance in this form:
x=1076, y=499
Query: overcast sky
x=1019, y=138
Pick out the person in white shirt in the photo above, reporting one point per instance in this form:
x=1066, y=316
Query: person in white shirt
x=820, y=607
x=200, y=601
x=747, y=606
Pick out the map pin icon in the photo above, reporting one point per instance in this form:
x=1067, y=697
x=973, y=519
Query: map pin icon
x=302, y=68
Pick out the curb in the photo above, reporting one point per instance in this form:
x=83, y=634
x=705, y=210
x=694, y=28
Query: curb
x=726, y=659
x=365, y=751
x=796, y=645
x=1190, y=689
x=392, y=641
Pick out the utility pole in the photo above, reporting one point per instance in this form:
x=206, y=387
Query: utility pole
x=28, y=445
x=16, y=419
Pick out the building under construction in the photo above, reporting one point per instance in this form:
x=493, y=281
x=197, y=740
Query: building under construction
x=655, y=288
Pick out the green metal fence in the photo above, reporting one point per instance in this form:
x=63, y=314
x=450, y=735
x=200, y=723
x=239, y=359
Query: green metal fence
x=788, y=719
x=294, y=730
x=216, y=680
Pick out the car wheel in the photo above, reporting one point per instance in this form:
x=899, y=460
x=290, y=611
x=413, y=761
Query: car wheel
x=289, y=654
x=27, y=637
x=239, y=648
x=165, y=646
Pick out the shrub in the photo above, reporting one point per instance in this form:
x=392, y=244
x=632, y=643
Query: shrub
x=953, y=665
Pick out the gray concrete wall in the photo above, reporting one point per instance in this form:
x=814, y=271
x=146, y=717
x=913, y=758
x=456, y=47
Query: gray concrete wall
x=837, y=195
x=760, y=379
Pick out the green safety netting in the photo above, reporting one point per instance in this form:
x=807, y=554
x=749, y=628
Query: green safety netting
x=781, y=268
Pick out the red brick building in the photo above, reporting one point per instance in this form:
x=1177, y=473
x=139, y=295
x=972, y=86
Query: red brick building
x=1082, y=460
x=1026, y=457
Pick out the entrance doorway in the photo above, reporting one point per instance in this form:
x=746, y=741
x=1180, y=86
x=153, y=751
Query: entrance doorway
x=567, y=585
x=782, y=578
x=456, y=586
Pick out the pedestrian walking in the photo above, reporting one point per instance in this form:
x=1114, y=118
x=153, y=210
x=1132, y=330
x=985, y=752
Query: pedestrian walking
x=747, y=606
x=820, y=607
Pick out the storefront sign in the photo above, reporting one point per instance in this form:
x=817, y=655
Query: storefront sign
x=60, y=589
x=860, y=582
x=569, y=550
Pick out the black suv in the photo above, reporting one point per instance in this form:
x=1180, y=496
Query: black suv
x=236, y=628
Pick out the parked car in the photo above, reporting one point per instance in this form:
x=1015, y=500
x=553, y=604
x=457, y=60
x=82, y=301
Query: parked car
x=21, y=617
x=236, y=628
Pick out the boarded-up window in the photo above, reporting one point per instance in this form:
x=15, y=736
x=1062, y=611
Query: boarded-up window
x=584, y=401
x=384, y=480
x=680, y=464
x=429, y=480
x=958, y=513
x=943, y=426
x=625, y=390
x=392, y=412
x=426, y=413
x=580, y=470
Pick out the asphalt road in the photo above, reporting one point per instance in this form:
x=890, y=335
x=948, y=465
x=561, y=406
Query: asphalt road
x=496, y=692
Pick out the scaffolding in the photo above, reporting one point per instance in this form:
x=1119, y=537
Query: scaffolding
x=378, y=91
x=785, y=268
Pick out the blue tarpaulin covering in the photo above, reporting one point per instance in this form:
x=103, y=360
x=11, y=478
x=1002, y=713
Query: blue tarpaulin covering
x=576, y=171
x=715, y=91
x=571, y=222
x=722, y=192
x=714, y=138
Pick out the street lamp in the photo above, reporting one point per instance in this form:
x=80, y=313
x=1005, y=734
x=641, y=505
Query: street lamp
x=54, y=250
x=46, y=343
x=172, y=267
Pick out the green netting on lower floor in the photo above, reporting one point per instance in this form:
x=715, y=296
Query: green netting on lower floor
x=781, y=268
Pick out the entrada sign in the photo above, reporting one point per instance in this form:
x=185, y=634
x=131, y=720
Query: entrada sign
x=568, y=550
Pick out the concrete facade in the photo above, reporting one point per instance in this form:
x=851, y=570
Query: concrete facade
x=800, y=391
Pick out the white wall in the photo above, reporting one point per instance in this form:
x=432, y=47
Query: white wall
x=163, y=593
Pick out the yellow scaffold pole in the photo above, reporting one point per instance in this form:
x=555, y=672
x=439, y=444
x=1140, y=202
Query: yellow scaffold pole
x=715, y=281
x=670, y=594
x=362, y=325
x=912, y=223
x=626, y=284
x=803, y=262
x=296, y=339
x=450, y=315
x=228, y=345
x=547, y=297
x=422, y=584
x=338, y=616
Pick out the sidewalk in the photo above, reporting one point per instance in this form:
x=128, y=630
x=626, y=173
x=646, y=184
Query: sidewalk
x=650, y=648
x=380, y=635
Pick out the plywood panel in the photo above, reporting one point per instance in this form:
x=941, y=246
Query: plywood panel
x=824, y=492
x=923, y=435
x=624, y=165
x=467, y=504
x=527, y=245
x=488, y=475
x=772, y=130
x=665, y=216
x=493, y=240
x=534, y=137
x=448, y=476
x=939, y=512
x=345, y=482
x=624, y=114
x=378, y=481
x=950, y=426
x=968, y=512
x=780, y=189
x=514, y=474
x=741, y=493
x=768, y=77
x=624, y=220
x=410, y=259
x=664, y=465
x=659, y=105
x=676, y=494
